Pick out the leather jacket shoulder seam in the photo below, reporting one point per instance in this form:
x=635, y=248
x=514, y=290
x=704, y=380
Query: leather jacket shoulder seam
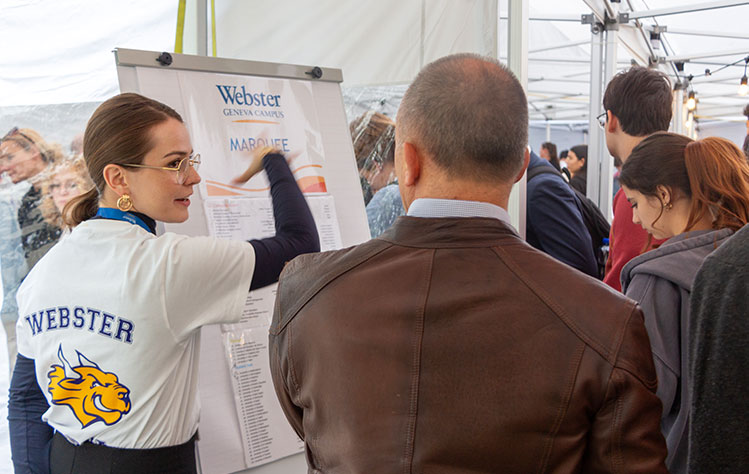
x=626, y=365
x=555, y=308
x=418, y=338
x=321, y=283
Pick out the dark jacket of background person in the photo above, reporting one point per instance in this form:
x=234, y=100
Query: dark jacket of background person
x=37, y=235
x=718, y=357
x=479, y=359
x=580, y=181
x=661, y=281
x=554, y=223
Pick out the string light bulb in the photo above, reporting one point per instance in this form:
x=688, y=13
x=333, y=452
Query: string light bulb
x=690, y=120
x=743, y=87
x=691, y=101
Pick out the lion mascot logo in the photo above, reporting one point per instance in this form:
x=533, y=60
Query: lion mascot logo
x=92, y=394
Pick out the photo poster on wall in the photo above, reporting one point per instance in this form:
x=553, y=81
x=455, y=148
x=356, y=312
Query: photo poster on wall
x=227, y=115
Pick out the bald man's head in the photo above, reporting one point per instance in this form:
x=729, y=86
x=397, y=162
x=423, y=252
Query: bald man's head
x=470, y=114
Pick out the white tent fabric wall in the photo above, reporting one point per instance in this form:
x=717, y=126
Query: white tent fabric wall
x=61, y=52
x=734, y=131
x=373, y=43
x=61, y=66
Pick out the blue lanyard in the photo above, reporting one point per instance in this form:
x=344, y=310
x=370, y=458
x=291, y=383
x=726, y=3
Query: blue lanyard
x=116, y=214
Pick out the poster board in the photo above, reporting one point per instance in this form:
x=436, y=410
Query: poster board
x=229, y=107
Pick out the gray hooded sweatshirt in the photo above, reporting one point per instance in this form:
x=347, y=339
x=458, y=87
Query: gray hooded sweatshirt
x=661, y=281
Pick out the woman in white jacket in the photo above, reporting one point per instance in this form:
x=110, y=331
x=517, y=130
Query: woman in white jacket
x=695, y=194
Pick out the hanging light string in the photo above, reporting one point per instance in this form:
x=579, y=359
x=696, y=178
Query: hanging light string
x=708, y=72
x=744, y=84
x=686, y=81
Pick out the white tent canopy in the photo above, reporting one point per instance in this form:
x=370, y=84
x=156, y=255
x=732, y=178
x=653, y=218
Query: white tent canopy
x=61, y=52
x=707, y=35
x=376, y=43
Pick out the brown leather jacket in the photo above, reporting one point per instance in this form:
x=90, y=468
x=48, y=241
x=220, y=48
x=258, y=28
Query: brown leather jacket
x=451, y=346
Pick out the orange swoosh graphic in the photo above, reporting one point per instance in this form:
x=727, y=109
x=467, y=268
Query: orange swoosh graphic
x=217, y=191
x=235, y=187
x=256, y=121
x=308, y=184
x=306, y=166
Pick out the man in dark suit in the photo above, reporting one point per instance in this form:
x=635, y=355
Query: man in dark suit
x=554, y=224
x=448, y=344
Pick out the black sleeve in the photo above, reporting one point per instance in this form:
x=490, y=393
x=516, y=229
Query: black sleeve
x=295, y=228
x=580, y=183
x=29, y=435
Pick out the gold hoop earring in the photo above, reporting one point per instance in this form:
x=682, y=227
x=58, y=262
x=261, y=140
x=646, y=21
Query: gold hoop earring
x=124, y=203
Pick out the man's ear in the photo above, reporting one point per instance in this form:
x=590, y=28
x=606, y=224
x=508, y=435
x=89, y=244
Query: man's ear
x=526, y=160
x=116, y=179
x=412, y=163
x=612, y=122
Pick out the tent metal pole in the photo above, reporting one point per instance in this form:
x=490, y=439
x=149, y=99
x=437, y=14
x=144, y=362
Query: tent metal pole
x=574, y=18
x=685, y=9
x=517, y=61
x=606, y=164
x=422, y=29
x=202, y=31
x=493, y=10
x=517, y=40
x=716, y=34
x=706, y=54
x=594, y=109
x=678, y=112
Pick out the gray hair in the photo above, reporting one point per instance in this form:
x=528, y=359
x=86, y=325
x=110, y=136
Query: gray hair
x=470, y=114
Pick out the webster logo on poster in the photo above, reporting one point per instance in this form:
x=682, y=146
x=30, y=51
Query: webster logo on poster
x=241, y=102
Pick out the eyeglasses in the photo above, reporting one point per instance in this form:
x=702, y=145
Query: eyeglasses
x=15, y=131
x=8, y=157
x=602, y=119
x=182, y=168
x=55, y=188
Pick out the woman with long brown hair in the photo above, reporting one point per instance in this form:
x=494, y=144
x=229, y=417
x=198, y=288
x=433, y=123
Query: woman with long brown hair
x=695, y=194
x=577, y=165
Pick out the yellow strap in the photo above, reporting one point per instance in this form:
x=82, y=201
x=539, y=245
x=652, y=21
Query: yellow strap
x=213, y=26
x=180, y=26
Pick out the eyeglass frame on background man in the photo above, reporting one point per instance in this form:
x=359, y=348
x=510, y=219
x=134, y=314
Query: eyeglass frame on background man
x=602, y=119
